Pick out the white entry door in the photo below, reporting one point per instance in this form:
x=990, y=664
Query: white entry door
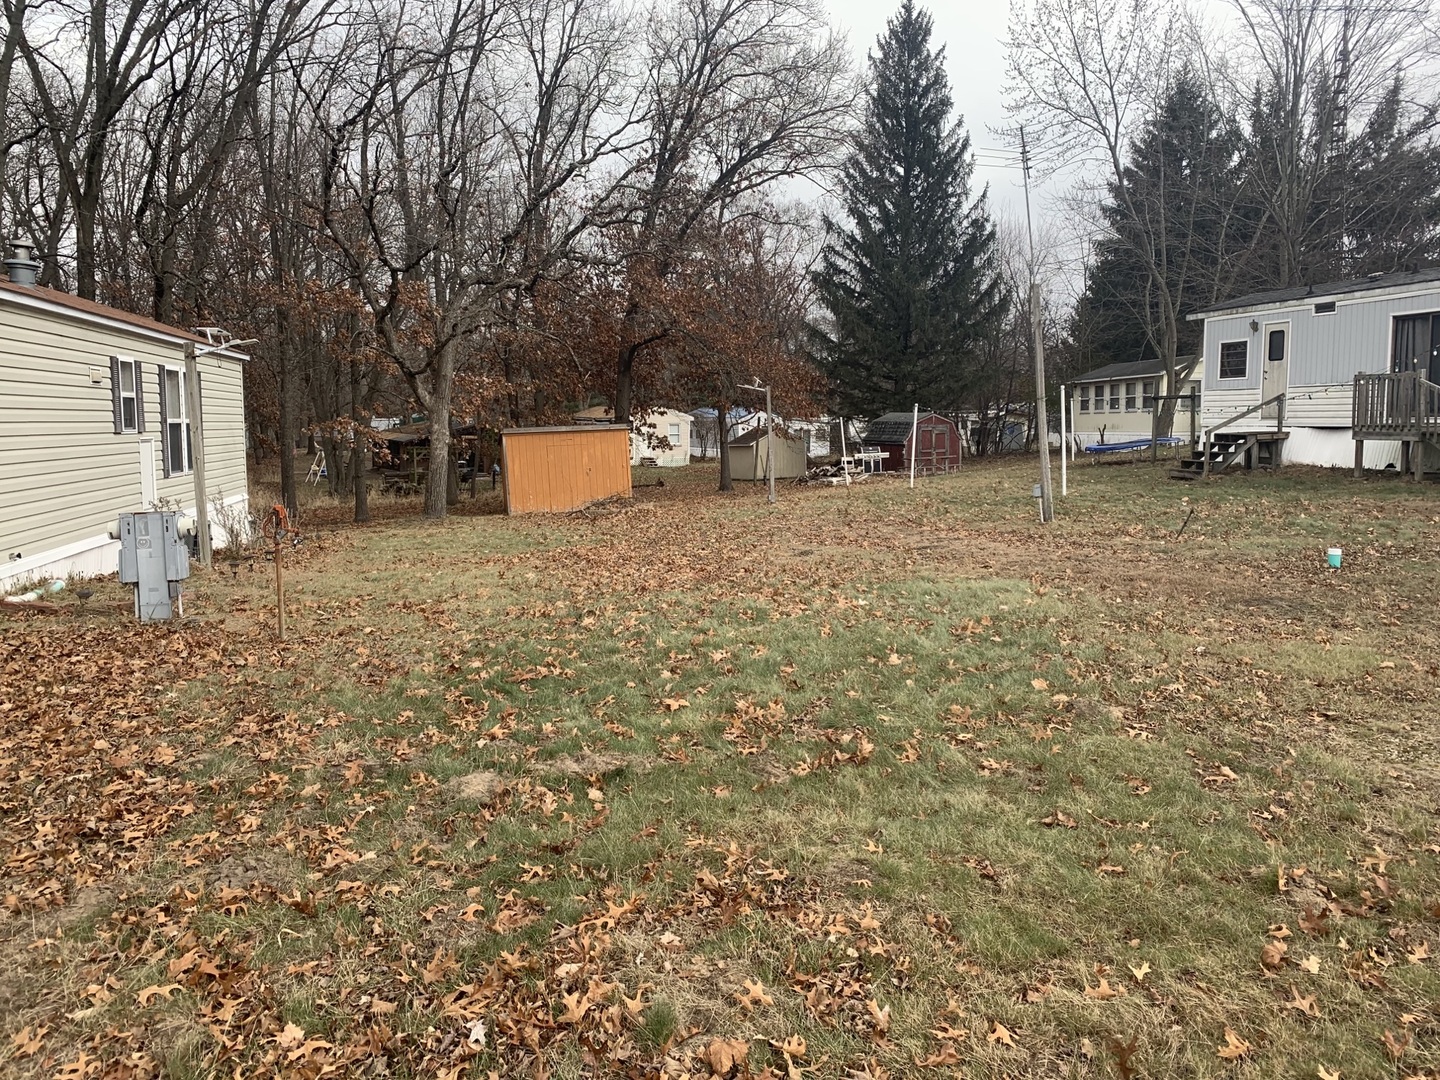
x=147, y=474
x=1275, y=366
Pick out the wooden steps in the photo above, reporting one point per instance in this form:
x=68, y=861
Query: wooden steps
x=1252, y=449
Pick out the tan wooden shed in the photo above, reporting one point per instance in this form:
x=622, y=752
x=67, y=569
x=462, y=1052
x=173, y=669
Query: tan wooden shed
x=562, y=468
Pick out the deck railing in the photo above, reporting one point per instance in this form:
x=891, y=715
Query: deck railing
x=1403, y=403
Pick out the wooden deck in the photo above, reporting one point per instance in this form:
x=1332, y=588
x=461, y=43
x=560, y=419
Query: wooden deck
x=1403, y=406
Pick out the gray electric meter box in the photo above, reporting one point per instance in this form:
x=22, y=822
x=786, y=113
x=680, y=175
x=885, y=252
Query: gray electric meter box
x=155, y=560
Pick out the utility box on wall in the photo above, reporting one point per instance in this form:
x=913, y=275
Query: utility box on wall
x=154, y=559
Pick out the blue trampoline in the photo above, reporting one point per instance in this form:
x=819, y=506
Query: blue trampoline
x=1133, y=444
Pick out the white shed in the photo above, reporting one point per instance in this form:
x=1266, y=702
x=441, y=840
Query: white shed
x=94, y=423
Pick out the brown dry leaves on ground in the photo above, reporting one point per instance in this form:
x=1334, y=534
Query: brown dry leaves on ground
x=381, y=850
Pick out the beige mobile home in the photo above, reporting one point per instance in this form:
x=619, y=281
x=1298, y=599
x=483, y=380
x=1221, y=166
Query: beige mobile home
x=1113, y=404
x=93, y=423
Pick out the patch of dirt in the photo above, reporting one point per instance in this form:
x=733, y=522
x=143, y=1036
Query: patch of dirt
x=587, y=763
x=768, y=767
x=842, y=873
x=1092, y=710
x=483, y=786
x=273, y=868
x=86, y=903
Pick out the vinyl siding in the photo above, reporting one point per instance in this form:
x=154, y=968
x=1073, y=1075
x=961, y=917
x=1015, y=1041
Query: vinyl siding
x=1326, y=351
x=65, y=476
x=1128, y=424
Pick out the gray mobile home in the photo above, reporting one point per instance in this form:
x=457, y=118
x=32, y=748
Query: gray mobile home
x=1332, y=374
x=93, y=423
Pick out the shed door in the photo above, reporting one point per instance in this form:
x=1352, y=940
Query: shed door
x=1275, y=372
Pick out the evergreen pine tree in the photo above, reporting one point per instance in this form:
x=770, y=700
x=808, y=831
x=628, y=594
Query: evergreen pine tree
x=1183, y=209
x=910, y=282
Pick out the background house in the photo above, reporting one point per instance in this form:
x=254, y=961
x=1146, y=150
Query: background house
x=938, y=441
x=661, y=436
x=1309, y=343
x=94, y=423
x=750, y=449
x=705, y=431
x=1112, y=404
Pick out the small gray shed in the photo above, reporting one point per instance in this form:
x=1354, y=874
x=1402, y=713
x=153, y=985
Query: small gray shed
x=749, y=450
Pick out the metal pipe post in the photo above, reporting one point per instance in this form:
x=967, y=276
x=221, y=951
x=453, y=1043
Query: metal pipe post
x=1064, y=439
x=1042, y=423
x=279, y=590
x=197, y=450
x=770, y=442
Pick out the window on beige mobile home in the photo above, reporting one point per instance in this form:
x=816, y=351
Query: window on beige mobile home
x=177, y=422
x=1084, y=399
x=1147, y=400
x=1130, y=396
x=1114, y=397
x=129, y=406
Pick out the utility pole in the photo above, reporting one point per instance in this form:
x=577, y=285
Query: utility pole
x=1042, y=421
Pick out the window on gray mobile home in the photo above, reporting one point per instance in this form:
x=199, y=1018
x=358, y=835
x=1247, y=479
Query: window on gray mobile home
x=1114, y=397
x=1234, y=359
x=1277, y=345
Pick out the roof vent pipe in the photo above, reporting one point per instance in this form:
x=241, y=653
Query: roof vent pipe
x=22, y=266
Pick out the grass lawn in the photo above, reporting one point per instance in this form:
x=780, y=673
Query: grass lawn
x=874, y=782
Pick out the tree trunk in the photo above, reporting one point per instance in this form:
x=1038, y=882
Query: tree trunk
x=434, y=390
x=359, y=452
x=334, y=471
x=287, y=419
x=624, y=384
x=722, y=415
x=87, y=208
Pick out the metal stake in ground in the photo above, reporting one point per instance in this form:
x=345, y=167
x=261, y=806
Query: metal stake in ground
x=277, y=526
x=769, y=436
